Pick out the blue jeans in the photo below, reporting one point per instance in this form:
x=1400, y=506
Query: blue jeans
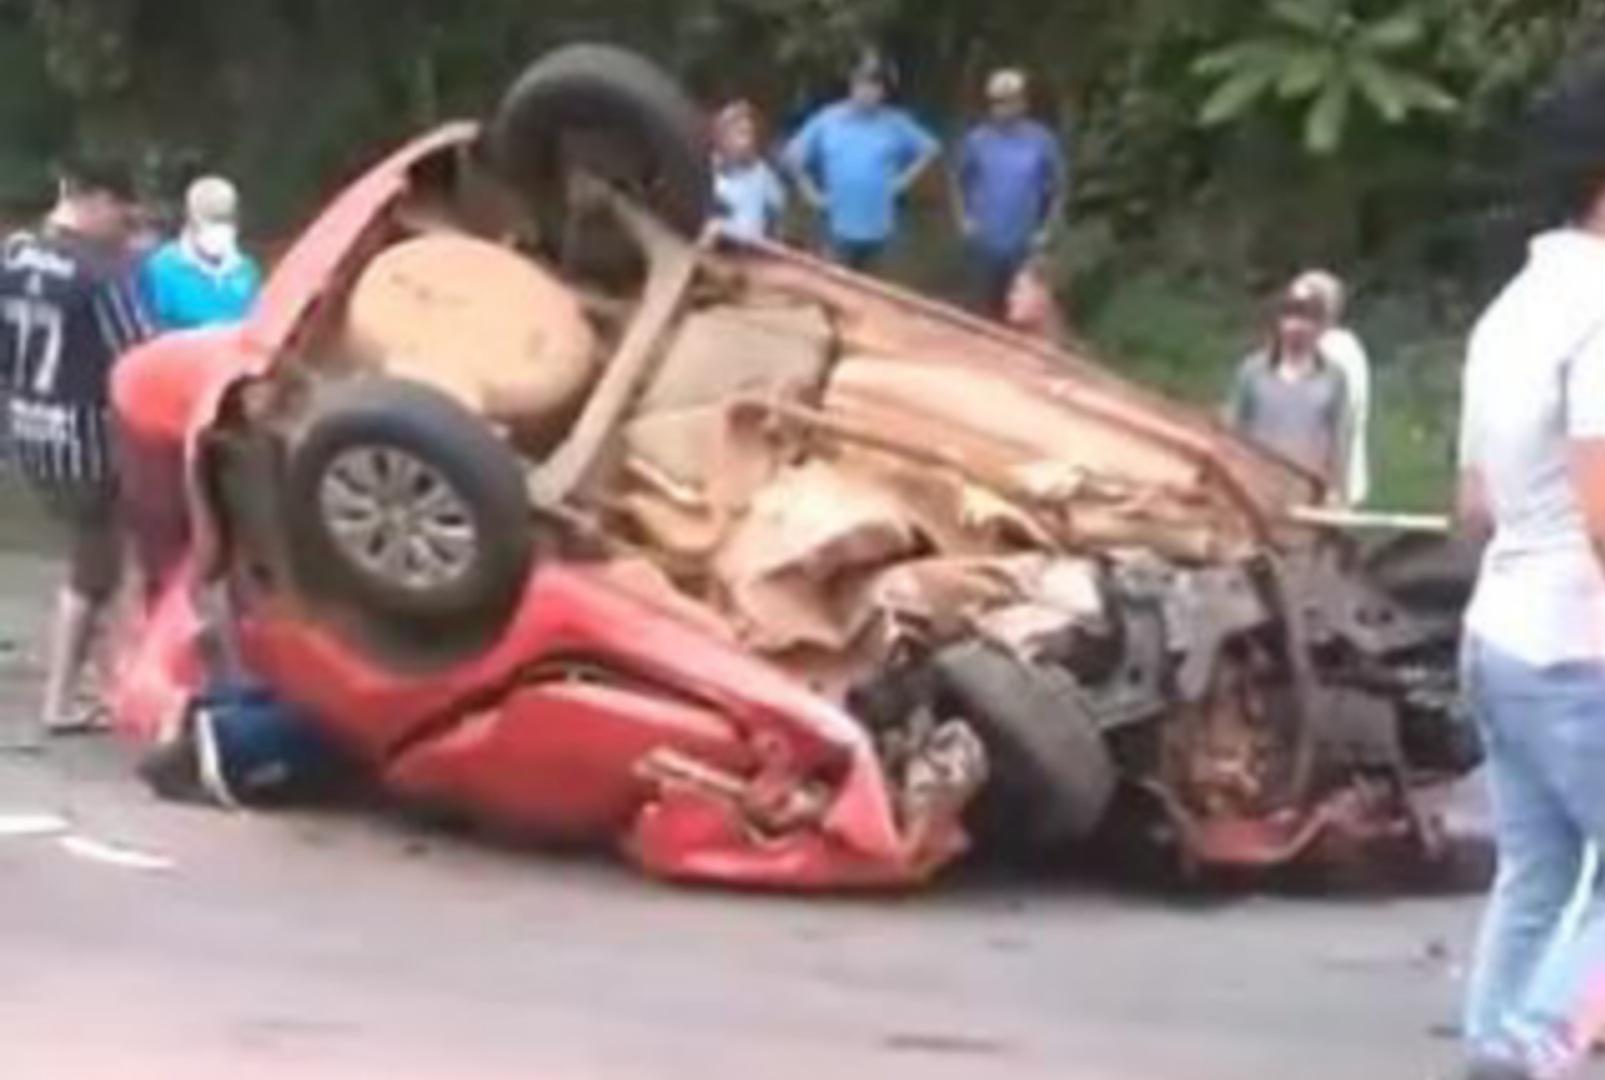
x=1537, y=994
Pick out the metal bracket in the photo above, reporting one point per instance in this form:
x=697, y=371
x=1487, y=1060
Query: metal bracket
x=672, y=266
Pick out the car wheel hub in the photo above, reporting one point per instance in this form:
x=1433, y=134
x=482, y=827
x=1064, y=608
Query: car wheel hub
x=398, y=518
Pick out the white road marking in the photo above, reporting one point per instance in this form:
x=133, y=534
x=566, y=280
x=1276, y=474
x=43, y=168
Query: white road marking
x=28, y=826
x=115, y=855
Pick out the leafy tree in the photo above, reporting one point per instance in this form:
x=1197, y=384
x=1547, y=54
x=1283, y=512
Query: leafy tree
x=1325, y=56
x=1334, y=129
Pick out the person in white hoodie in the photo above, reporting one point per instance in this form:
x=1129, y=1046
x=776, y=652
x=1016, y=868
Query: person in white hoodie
x=1533, y=485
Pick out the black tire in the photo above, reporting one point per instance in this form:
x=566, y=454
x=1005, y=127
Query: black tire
x=476, y=588
x=658, y=130
x=1053, y=778
x=1429, y=575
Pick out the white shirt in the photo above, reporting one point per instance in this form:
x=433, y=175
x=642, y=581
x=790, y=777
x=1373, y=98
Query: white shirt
x=751, y=199
x=1535, y=380
x=1344, y=350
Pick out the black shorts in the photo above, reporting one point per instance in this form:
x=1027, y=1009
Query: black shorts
x=87, y=512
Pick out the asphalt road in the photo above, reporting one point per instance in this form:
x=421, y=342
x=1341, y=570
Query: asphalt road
x=193, y=944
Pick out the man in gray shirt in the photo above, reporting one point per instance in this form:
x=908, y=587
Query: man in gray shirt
x=1533, y=482
x=1289, y=398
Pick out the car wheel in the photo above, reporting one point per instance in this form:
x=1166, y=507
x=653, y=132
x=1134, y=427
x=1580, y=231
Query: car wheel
x=611, y=113
x=1427, y=574
x=406, y=507
x=1053, y=778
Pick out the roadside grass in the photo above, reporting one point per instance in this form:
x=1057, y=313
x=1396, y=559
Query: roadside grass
x=1414, y=437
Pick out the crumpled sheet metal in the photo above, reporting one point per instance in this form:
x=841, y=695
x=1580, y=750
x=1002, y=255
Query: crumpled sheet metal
x=829, y=562
x=721, y=351
x=1110, y=486
x=818, y=555
x=788, y=567
x=993, y=420
x=873, y=829
x=871, y=837
x=949, y=597
x=816, y=546
x=687, y=476
x=648, y=583
x=874, y=318
x=688, y=441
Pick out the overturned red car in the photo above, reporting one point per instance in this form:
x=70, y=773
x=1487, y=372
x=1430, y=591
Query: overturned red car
x=562, y=512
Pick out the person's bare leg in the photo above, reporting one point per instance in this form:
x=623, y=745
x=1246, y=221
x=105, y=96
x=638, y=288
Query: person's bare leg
x=71, y=636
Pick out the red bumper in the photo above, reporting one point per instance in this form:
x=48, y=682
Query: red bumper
x=698, y=760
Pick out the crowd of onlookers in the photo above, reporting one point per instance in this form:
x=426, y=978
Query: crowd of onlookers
x=1305, y=393
x=853, y=161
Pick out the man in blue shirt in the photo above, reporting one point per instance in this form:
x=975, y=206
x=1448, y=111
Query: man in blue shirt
x=854, y=160
x=1009, y=184
x=202, y=278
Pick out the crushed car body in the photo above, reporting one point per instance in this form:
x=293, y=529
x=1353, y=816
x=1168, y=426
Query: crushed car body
x=568, y=516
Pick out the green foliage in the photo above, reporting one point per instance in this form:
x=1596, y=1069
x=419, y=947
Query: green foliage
x=86, y=43
x=299, y=90
x=1413, y=433
x=1185, y=338
x=1219, y=145
x=1324, y=55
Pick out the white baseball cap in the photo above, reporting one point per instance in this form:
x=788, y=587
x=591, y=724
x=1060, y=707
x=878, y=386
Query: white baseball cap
x=1006, y=83
x=212, y=200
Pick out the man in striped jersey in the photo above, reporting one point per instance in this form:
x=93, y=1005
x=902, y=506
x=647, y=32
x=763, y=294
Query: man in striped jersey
x=68, y=310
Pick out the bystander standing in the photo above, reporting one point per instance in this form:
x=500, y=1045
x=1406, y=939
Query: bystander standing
x=1288, y=398
x=854, y=160
x=1009, y=184
x=749, y=197
x=202, y=278
x=1533, y=483
x=71, y=309
x=1342, y=347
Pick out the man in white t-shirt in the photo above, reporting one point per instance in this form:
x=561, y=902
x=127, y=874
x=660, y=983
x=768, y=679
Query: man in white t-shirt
x=1342, y=348
x=1533, y=482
